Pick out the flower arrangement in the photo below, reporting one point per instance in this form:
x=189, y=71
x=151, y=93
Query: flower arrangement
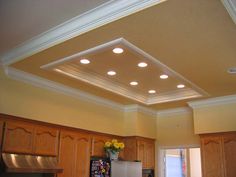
x=114, y=146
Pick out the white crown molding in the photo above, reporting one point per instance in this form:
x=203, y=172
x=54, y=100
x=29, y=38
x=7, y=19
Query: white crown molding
x=141, y=109
x=174, y=111
x=213, y=102
x=231, y=8
x=60, y=88
x=101, y=15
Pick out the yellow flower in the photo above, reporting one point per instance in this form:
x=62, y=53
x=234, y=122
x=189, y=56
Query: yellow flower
x=121, y=145
x=103, y=170
x=108, y=144
x=114, y=141
x=116, y=145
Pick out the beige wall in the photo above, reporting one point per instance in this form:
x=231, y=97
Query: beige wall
x=217, y=118
x=176, y=130
x=17, y=98
x=25, y=100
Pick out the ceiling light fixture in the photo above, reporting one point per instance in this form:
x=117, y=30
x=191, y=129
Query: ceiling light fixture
x=152, y=91
x=133, y=83
x=142, y=65
x=111, y=73
x=118, y=50
x=232, y=70
x=164, y=76
x=180, y=86
x=84, y=61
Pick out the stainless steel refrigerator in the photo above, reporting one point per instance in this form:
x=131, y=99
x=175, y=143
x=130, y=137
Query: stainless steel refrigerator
x=106, y=168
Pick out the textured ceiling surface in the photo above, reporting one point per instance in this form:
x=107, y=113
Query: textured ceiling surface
x=197, y=39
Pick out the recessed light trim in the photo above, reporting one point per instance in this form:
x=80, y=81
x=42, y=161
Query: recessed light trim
x=118, y=50
x=133, y=83
x=142, y=65
x=84, y=61
x=232, y=70
x=152, y=91
x=111, y=73
x=180, y=86
x=164, y=76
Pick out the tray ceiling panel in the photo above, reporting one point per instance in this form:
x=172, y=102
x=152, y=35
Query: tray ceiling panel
x=132, y=73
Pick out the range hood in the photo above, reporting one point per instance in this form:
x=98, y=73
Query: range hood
x=17, y=163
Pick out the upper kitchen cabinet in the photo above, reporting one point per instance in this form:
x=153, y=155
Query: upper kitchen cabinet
x=18, y=138
x=142, y=149
x=83, y=145
x=46, y=141
x=1, y=133
x=220, y=149
x=98, y=142
x=74, y=155
x=26, y=138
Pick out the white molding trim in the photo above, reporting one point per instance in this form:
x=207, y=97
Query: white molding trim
x=101, y=15
x=174, y=111
x=229, y=99
x=102, y=82
x=141, y=109
x=231, y=8
x=60, y=88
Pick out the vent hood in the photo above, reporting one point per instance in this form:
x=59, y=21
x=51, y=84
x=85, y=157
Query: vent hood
x=17, y=163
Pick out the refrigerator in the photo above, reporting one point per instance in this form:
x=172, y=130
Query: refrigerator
x=100, y=167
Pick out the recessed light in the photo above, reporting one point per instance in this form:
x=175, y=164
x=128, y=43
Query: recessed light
x=180, y=86
x=133, y=83
x=164, y=76
x=232, y=70
x=111, y=73
x=84, y=61
x=142, y=65
x=118, y=50
x=152, y=91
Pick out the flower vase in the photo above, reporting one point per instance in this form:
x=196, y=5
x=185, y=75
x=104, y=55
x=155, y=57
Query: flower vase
x=113, y=155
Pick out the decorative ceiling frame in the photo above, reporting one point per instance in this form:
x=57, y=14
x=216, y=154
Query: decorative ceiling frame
x=97, y=80
x=99, y=16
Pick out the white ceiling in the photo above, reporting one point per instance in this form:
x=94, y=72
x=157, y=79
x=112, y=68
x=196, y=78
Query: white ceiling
x=21, y=20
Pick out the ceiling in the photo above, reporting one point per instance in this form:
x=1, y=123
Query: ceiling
x=194, y=39
x=24, y=19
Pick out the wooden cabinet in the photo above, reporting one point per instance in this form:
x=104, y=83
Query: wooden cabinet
x=1, y=133
x=20, y=137
x=98, y=142
x=46, y=141
x=143, y=149
x=74, y=155
x=218, y=155
x=83, y=144
x=229, y=149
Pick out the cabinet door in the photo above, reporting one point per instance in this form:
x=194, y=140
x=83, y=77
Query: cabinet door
x=130, y=151
x=98, y=143
x=212, y=157
x=141, y=153
x=83, y=143
x=18, y=138
x=46, y=141
x=1, y=133
x=229, y=142
x=150, y=155
x=67, y=155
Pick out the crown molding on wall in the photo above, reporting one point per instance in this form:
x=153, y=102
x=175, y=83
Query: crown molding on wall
x=231, y=8
x=174, y=111
x=213, y=102
x=101, y=15
x=141, y=109
x=60, y=88
x=78, y=94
